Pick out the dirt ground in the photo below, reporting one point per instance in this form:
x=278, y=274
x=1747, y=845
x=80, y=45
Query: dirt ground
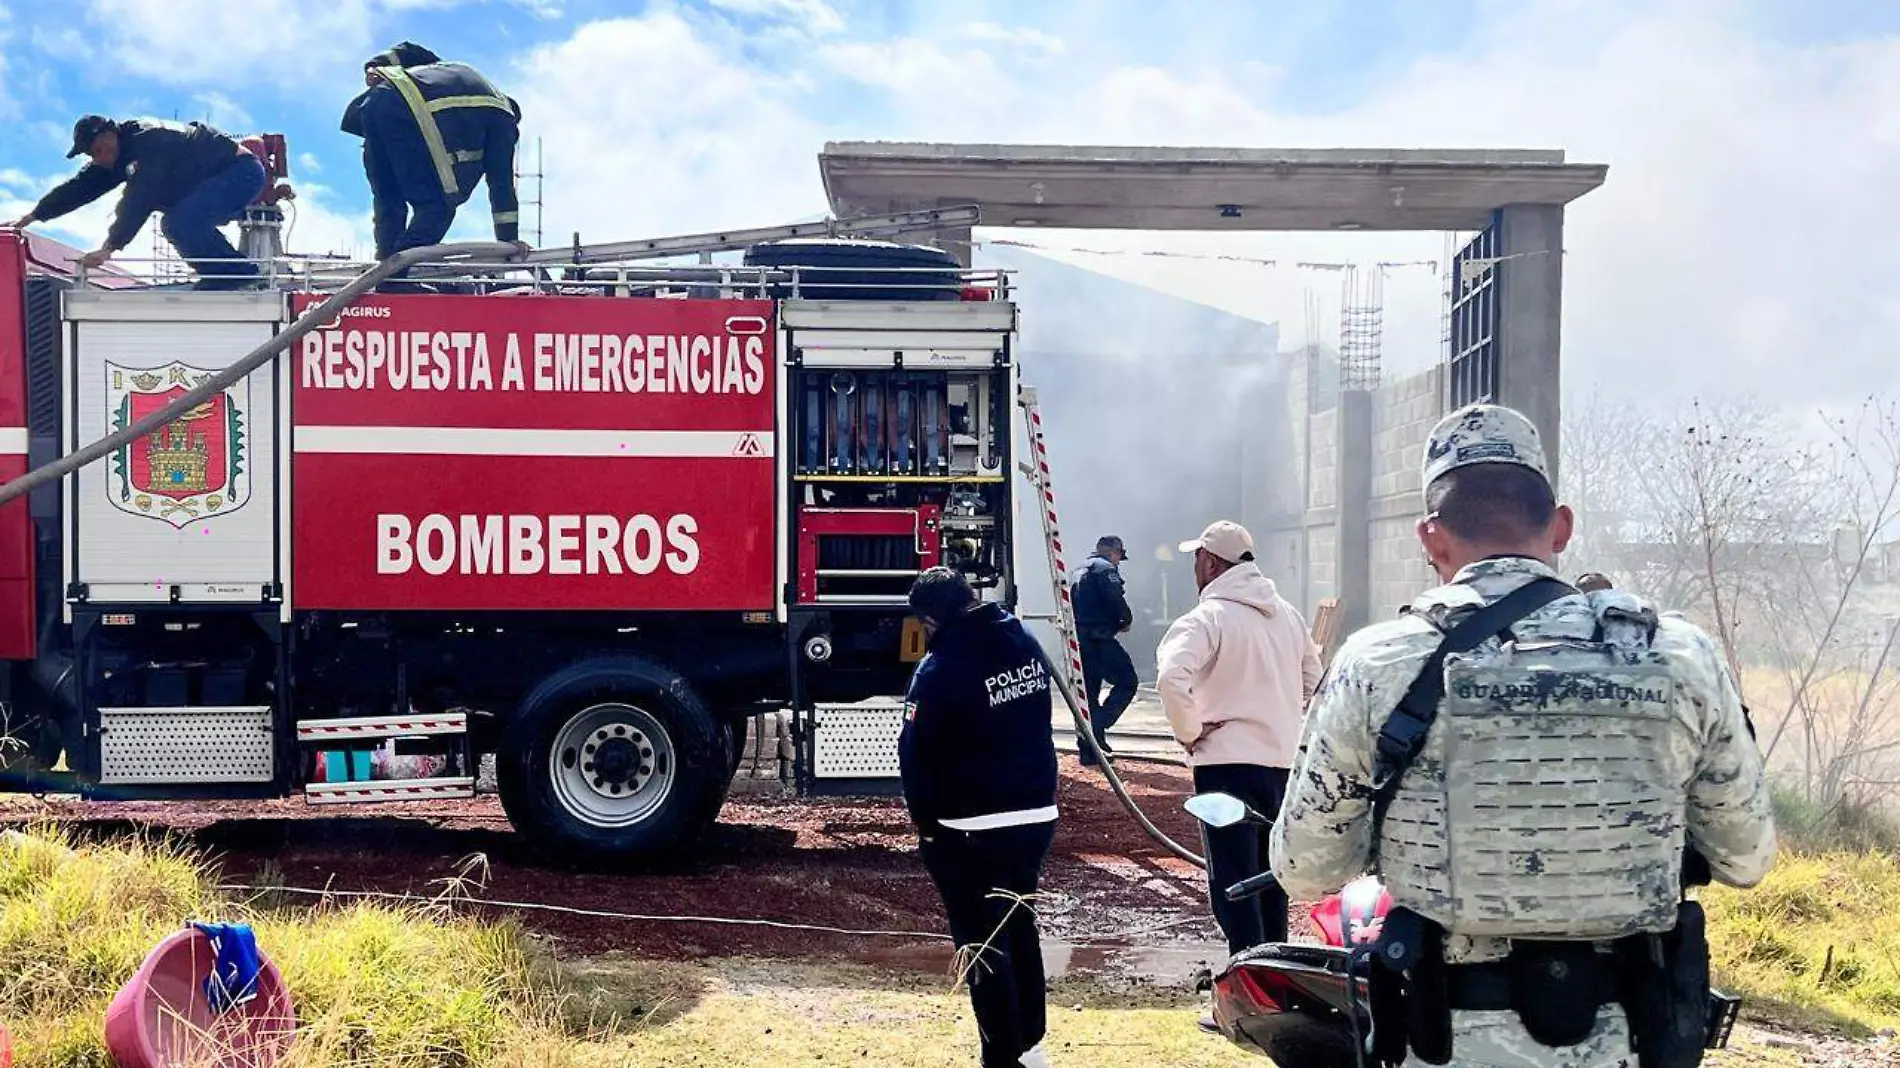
x=835, y=863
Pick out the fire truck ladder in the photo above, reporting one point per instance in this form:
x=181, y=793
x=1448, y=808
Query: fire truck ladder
x=1069, y=677
x=494, y=255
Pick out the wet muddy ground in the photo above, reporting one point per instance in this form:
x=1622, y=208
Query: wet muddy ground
x=1114, y=901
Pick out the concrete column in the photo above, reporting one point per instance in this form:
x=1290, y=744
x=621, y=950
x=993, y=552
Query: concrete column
x=1530, y=303
x=1352, y=553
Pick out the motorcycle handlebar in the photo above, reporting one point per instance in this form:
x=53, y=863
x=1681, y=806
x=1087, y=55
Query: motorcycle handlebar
x=1250, y=886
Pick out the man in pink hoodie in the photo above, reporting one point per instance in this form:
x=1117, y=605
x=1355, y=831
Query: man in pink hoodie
x=1235, y=675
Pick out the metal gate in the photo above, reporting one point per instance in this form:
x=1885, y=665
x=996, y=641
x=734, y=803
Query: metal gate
x=1473, y=357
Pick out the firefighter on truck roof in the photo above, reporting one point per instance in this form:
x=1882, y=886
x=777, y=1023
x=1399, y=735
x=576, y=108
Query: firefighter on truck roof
x=431, y=131
x=196, y=177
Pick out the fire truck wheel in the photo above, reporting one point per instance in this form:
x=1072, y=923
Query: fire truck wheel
x=613, y=760
x=735, y=738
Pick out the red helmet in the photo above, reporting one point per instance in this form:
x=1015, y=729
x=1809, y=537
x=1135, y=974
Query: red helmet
x=1354, y=915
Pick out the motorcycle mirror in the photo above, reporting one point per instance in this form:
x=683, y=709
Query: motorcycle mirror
x=1217, y=810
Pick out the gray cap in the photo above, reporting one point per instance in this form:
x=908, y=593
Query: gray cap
x=1482, y=434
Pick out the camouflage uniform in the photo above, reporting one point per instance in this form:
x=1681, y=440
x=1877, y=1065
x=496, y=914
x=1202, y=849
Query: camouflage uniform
x=1322, y=839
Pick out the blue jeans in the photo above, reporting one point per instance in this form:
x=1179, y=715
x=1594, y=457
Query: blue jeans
x=191, y=225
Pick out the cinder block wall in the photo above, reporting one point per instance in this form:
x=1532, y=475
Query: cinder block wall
x=1403, y=414
x=1301, y=545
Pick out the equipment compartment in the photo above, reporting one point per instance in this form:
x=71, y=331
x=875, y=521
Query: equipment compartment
x=189, y=513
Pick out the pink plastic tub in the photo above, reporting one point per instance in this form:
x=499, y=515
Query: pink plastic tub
x=161, y=1017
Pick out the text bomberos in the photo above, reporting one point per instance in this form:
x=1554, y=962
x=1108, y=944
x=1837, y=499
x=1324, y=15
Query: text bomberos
x=439, y=544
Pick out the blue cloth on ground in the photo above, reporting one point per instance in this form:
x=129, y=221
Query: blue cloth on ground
x=233, y=978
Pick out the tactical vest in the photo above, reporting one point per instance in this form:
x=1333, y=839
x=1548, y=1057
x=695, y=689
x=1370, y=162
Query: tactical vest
x=1545, y=804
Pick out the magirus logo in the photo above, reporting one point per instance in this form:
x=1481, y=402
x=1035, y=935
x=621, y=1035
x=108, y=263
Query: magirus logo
x=357, y=311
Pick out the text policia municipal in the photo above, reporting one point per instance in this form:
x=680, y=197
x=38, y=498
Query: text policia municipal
x=536, y=545
x=541, y=363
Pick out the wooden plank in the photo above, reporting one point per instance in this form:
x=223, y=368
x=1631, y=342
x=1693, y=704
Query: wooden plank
x=1326, y=628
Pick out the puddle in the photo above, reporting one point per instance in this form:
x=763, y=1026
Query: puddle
x=1165, y=965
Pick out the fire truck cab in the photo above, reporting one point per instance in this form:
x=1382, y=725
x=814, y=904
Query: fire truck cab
x=587, y=520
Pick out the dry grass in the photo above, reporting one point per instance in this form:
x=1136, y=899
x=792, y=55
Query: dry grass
x=373, y=985
x=421, y=988
x=1817, y=945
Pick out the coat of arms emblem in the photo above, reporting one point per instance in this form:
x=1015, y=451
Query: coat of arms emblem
x=189, y=469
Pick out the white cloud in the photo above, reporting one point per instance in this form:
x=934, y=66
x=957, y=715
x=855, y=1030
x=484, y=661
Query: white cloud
x=168, y=40
x=315, y=227
x=814, y=17
x=1016, y=37
x=7, y=105
x=63, y=42
x=221, y=112
x=676, y=134
x=216, y=42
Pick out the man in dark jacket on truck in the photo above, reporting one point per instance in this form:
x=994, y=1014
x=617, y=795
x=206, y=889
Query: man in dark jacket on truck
x=431, y=131
x=979, y=770
x=1101, y=614
x=198, y=178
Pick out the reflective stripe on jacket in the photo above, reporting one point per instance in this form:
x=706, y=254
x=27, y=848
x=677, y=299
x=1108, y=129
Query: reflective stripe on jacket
x=470, y=130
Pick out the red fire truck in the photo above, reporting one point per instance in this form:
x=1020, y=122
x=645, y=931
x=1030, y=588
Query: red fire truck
x=587, y=520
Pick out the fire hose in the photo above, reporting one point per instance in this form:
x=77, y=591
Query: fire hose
x=474, y=251
x=1083, y=732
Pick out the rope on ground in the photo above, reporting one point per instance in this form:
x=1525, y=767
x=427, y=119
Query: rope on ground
x=635, y=917
x=569, y=910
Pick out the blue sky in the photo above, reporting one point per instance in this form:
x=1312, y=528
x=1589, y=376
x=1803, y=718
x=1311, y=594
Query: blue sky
x=1752, y=145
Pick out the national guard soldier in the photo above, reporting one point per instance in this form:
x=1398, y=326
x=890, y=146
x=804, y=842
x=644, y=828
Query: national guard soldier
x=1535, y=773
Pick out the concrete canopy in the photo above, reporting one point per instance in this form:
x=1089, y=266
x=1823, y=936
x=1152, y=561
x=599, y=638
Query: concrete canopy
x=1077, y=187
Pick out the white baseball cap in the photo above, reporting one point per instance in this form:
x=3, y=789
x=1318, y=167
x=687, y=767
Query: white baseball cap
x=1225, y=539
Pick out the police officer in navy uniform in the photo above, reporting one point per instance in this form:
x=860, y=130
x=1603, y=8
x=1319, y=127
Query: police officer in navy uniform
x=979, y=771
x=1101, y=616
x=431, y=131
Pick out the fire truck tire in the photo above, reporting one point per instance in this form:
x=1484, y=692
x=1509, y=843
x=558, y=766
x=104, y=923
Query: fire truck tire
x=736, y=738
x=613, y=760
x=856, y=269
